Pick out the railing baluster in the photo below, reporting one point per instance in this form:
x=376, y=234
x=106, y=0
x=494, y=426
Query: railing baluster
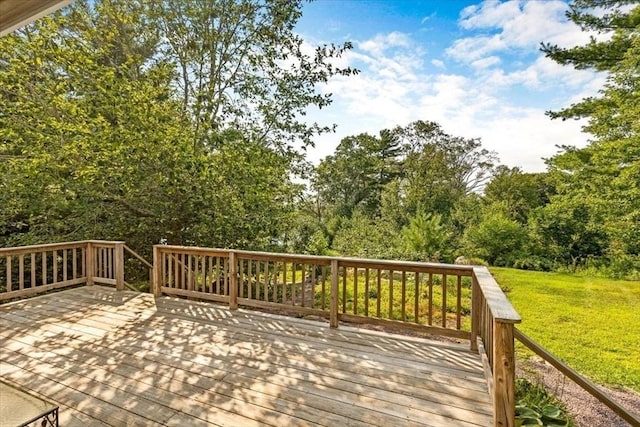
x=209, y=282
x=403, y=310
x=430, y=284
x=226, y=281
x=196, y=272
x=416, y=297
x=314, y=280
x=21, y=271
x=54, y=258
x=293, y=283
x=64, y=265
x=355, y=290
x=275, y=282
x=33, y=269
x=459, y=303
x=379, y=290
x=74, y=263
x=333, y=305
x=444, y=300
x=266, y=281
x=324, y=280
x=390, y=314
x=218, y=291
x=203, y=271
x=366, y=292
x=284, y=283
x=344, y=289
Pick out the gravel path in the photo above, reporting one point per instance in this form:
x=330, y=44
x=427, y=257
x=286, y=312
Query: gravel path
x=586, y=409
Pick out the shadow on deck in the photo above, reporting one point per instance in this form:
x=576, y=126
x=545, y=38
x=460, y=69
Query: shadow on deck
x=124, y=358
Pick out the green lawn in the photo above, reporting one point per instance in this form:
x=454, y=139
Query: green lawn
x=592, y=324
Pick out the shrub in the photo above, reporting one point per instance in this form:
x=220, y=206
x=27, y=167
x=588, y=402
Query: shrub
x=536, y=406
x=534, y=262
x=497, y=238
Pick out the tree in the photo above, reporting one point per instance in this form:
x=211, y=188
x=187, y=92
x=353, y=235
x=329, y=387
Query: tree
x=425, y=238
x=240, y=65
x=605, y=174
x=88, y=118
x=355, y=175
x=98, y=145
x=568, y=232
x=365, y=237
x=521, y=192
x=440, y=169
x=497, y=239
x=611, y=16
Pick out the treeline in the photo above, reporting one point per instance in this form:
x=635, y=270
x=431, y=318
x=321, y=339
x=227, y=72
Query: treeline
x=161, y=121
x=153, y=121
x=418, y=193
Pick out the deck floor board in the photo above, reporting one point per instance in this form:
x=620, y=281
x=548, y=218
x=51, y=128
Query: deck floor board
x=125, y=358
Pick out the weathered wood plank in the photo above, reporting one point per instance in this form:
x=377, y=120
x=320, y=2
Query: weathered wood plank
x=437, y=357
x=285, y=379
x=183, y=354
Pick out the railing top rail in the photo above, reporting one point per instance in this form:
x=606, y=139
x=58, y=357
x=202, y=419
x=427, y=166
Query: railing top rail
x=16, y=250
x=576, y=377
x=453, y=268
x=500, y=307
x=105, y=242
x=35, y=248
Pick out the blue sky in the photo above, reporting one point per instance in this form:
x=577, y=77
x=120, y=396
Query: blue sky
x=472, y=66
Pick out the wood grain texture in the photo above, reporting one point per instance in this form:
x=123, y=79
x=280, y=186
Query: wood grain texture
x=504, y=388
x=124, y=358
x=496, y=300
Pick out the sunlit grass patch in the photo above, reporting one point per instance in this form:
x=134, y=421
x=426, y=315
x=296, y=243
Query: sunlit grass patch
x=593, y=324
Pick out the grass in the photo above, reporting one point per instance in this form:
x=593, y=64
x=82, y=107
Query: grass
x=592, y=324
x=385, y=301
x=383, y=297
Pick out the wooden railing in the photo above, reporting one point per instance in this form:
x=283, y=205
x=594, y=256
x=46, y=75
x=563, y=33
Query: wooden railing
x=29, y=270
x=492, y=331
x=584, y=383
x=430, y=297
x=434, y=298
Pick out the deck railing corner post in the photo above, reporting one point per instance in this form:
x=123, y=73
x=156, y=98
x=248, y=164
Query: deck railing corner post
x=233, y=281
x=333, y=301
x=118, y=265
x=503, y=374
x=89, y=260
x=157, y=271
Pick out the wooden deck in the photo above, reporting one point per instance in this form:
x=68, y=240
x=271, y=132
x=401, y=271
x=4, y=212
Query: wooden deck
x=123, y=358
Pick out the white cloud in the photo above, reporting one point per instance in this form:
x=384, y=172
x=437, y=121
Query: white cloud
x=382, y=42
x=486, y=62
x=426, y=18
x=488, y=14
x=498, y=99
x=516, y=24
x=474, y=48
x=437, y=63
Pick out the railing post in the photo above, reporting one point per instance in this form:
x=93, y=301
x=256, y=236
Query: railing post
x=475, y=312
x=333, y=301
x=233, y=281
x=503, y=374
x=156, y=282
x=118, y=265
x=89, y=268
